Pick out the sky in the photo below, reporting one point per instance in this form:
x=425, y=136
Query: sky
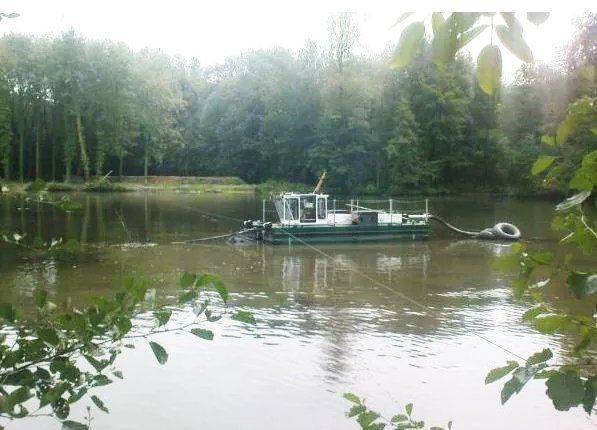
x=216, y=29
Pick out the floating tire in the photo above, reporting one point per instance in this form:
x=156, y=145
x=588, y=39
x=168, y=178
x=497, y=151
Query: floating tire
x=505, y=230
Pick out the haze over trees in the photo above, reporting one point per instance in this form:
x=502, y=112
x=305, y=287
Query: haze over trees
x=73, y=108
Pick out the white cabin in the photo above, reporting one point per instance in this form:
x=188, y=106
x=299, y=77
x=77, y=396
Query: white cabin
x=314, y=209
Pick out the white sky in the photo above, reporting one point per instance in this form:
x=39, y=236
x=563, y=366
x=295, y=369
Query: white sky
x=215, y=29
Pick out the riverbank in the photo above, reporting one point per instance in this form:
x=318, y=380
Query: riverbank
x=137, y=183
x=228, y=185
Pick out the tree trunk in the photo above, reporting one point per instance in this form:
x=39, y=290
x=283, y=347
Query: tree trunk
x=68, y=158
x=53, y=143
x=83, y=148
x=146, y=163
x=37, y=150
x=6, y=165
x=22, y=150
x=120, y=164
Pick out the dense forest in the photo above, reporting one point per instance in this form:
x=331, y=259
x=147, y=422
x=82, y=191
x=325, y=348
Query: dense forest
x=74, y=109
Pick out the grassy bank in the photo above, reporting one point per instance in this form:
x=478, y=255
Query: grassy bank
x=137, y=183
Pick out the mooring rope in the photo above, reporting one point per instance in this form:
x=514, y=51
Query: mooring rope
x=451, y=227
x=220, y=236
x=431, y=311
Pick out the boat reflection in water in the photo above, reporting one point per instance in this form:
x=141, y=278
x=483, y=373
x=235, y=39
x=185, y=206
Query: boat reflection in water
x=311, y=269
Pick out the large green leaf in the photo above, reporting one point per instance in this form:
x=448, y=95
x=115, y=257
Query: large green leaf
x=513, y=23
x=203, y=333
x=542, y=163
x=511, y=387
x=565, y=390
x=553, y=323
x=539, y=357
x=537, y=18
x=514, y=42
x=500, y=372
x=365, y=419
x=48, y=335
x=437, y=22
x=581, y=180
x=469, y=35
x=221, y=289
x=352, y=398
x=160, y=353
x=163, y=316
x=410, y=39
x=534, y=312
x=98, y=402
x=590, y=391
x=489, y=68
x=73, y=425
x=244, y=316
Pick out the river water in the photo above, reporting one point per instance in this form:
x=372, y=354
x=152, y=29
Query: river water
x=331, y=319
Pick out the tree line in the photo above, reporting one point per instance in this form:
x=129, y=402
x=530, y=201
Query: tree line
x=72, y=109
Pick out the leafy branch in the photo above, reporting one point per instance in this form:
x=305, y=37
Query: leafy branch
x=371, y=420
x=64, y=352
x=574, y=383
x=452, y=33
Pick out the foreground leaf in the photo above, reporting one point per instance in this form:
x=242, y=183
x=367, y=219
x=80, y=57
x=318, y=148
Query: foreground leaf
x=500, y=372
x=489, y=69
x=514, y=42
x=511, y=387
x=203, y=333
x=73, y=425
x=590, y=391
x=163, y=316
x=352, y=398
x=99, y=404
x=565, y=390
x=160, y=353
x=540, y=357
x=542, y=163
x=244, y=316
x=410, y=39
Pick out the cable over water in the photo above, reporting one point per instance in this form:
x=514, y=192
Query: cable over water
x=501, y=230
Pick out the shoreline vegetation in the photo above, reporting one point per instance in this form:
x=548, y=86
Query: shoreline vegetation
x=217, y=184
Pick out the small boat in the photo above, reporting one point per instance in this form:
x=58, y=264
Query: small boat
x=314, y=218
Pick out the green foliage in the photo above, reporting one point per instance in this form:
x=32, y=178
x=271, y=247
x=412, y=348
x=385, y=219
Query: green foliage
x=41, y=355
x=269, y=115
x=573, y=384
x=372, y=420
x=104, y=187
x=36, y=186
x=457, y=30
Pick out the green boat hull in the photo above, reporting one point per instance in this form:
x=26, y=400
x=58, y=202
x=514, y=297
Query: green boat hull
x=346, y=233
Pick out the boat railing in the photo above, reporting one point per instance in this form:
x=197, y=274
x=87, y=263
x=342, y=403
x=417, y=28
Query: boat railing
x=396, y=206
x=346, y=206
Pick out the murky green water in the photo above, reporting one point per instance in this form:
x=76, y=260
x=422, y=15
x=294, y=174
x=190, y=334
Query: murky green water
x=323, y=327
